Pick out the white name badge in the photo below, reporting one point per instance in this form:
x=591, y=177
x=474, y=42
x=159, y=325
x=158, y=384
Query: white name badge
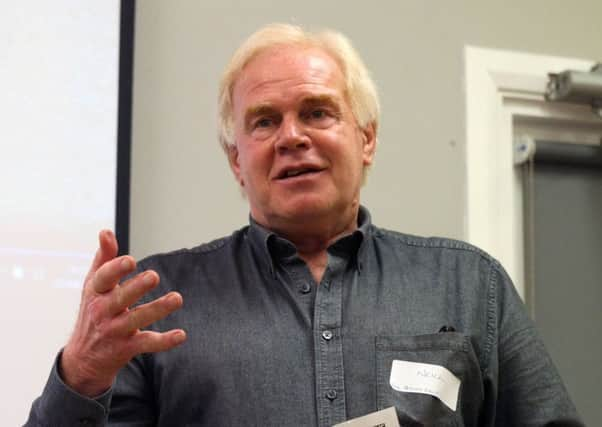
x=385, y=418
x=412, y=377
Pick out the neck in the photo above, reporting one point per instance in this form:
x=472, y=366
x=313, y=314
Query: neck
x=313, y=250
x=313, y=237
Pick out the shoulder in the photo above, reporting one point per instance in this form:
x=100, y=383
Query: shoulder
x=183, y=270
x=414, y=243
x=430, y=256
x=204, y=252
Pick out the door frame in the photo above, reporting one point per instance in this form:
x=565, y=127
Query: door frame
x=501, y=85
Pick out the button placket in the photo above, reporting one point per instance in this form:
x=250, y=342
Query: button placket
x=327, y=335
x=329, y=347
x=295, y=276
x=305, y=288
x=331, y=395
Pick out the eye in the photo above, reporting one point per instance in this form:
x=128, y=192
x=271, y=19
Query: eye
x=319, y=117
x=263, y=122
x=318, y=114
x=315, y=114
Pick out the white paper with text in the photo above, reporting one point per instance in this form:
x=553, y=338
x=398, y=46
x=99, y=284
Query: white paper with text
x=435, y=380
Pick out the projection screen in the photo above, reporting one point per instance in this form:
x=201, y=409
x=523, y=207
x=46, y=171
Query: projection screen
x=64, y=120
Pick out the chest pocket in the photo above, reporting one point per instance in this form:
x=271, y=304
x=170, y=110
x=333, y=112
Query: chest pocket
x=449, y=349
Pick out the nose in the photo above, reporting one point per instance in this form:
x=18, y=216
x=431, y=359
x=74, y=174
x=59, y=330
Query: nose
x=292, y=135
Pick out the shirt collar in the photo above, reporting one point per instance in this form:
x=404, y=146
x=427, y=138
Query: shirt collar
x=259, y=236
x=272, y=247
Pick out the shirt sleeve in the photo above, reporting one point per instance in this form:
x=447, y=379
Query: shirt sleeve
x=128, y=402
x=529, y=391
x=60, y=405
x=133, y=398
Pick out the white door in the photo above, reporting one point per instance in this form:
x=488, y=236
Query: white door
x=562, y=280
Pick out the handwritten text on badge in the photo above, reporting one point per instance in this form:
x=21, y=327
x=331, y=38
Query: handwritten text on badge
x=435, y=380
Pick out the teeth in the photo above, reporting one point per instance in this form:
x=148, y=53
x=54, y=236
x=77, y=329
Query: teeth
x=295, y=172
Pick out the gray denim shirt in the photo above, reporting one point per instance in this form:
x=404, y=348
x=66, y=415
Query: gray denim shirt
x=267, y=346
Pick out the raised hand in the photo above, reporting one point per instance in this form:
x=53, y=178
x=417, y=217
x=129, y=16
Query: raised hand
x=108, y=333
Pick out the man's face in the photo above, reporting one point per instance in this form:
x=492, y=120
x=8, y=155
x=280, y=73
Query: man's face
x=299, y=152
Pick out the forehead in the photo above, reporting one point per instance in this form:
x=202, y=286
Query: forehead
x=286, y=73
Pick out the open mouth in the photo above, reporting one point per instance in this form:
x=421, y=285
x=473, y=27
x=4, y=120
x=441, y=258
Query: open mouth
x=293, y=173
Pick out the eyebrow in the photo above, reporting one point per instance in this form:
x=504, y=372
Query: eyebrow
x=269, y=109
x=321, y=100
x=258, y=110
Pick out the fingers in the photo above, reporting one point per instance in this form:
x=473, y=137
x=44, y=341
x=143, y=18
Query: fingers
x=107, y=249
x=146, y=314
x=153, y=342
x=108, y=275
x=132, y=290
x=107, y=334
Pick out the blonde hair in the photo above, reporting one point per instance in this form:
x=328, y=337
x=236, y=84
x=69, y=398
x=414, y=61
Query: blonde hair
x=359, y=87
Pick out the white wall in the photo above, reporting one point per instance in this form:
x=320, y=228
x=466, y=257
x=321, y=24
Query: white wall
x=182, y=191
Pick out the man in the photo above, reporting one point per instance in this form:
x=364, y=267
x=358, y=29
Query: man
x=311, y=315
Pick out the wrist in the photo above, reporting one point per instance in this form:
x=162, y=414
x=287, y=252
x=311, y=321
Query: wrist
x=73, y=373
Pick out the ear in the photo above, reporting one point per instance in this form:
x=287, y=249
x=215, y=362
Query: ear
x=369, y=143
x=232, y=152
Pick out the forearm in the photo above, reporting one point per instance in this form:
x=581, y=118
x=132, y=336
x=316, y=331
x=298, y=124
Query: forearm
x=60, y=405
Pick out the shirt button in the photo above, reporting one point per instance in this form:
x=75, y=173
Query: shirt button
x=331, y=394
x=306, y=288
x=327, y=335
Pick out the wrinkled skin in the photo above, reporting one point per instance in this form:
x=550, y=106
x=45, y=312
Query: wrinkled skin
x=108, y=333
